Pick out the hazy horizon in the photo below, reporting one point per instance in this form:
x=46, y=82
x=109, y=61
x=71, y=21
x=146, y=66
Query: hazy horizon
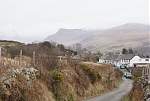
x=36, y=19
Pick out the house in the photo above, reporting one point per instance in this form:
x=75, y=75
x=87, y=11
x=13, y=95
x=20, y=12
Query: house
x=113, y=59
x=139, y=61
x=124, y=59
x=130, y=60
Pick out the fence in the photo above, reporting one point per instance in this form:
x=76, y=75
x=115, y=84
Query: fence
x=35, y=60
x=14, y=62
x=146, y=72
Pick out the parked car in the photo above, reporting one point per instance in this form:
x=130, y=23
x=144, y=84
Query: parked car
x=122, y=66
x=128, y=75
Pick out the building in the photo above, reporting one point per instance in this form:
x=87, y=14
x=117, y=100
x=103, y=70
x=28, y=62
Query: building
x=125, y=59
x=139, y=61
x=130, y=60
x=113, y=59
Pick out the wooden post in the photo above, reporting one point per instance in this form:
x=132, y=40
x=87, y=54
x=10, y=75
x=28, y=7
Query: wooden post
x=33, y=60
x=20, y=58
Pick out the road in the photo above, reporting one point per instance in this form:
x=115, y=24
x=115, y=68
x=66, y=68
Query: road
x=116, y=94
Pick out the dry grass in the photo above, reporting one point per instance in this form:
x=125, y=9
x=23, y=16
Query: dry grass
x=85, y=79
x=70, y=81
x=23, y=90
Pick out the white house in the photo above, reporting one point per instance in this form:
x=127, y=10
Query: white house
x=129, y=60
x=113, y=59
x=124, y=59
x=140, y=61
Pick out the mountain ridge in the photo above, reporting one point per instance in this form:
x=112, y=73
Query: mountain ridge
x=126, y=35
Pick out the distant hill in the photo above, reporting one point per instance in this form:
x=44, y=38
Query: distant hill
x=4, y=43
x=128, y=35
x=69, y=36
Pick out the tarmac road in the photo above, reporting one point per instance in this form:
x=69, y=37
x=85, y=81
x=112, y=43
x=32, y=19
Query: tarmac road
x=116, y=94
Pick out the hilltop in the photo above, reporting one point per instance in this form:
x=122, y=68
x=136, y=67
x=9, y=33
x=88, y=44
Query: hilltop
x=69, y=36
x=10, y=43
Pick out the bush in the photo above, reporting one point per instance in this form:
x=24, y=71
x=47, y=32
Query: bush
x=92, y=74
x=137, y=74
x=57, y=75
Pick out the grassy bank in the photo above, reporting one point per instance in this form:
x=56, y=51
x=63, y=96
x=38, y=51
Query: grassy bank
x=73, y=82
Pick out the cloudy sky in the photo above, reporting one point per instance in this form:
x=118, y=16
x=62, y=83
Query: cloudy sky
x=35, y=19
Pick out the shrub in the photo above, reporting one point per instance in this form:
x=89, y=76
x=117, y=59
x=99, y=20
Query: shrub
x=92, y=74
x=137, y=74
x=57, y=75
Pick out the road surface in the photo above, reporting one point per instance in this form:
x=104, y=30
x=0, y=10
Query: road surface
x=116, y=94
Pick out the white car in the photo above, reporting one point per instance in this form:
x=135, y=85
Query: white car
x=128, y=75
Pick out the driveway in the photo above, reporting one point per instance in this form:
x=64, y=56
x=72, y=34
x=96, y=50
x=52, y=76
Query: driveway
x=116, y=94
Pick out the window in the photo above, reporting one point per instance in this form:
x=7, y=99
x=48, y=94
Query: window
x=146, y=59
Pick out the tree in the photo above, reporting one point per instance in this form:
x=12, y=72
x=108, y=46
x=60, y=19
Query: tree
x=124, y=51
x=61, y=47
x=130, y=51
x=78, y=48
x=99, y=54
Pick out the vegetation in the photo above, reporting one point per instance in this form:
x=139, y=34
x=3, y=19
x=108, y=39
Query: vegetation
x=57, y=76
x=21, y=90
x=92, y=74
x=43, y=48
x=9, y=43
x=127, y=51
x=137, y=93
x=65, y=80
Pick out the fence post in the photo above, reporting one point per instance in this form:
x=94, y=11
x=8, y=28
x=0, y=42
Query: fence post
x=33, y=60
x=20, y=57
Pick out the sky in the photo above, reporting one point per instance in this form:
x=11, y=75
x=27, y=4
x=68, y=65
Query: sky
x=35, y=19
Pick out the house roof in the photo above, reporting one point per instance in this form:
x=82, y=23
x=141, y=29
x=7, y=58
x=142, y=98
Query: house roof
x=112, y=57
x=126, y=57
x=115, y=57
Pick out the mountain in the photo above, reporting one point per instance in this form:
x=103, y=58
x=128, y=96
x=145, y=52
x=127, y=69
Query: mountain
x=128, y=35
x=133, y=35
x=69, y=36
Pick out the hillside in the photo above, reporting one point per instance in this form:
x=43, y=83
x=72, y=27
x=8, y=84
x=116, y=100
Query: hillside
x=128, y=35
x=44, y=77
x=69, y=82
x=69, y=36
x=10, y=43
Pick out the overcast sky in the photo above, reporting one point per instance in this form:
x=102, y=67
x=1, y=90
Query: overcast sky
x=38, y=18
